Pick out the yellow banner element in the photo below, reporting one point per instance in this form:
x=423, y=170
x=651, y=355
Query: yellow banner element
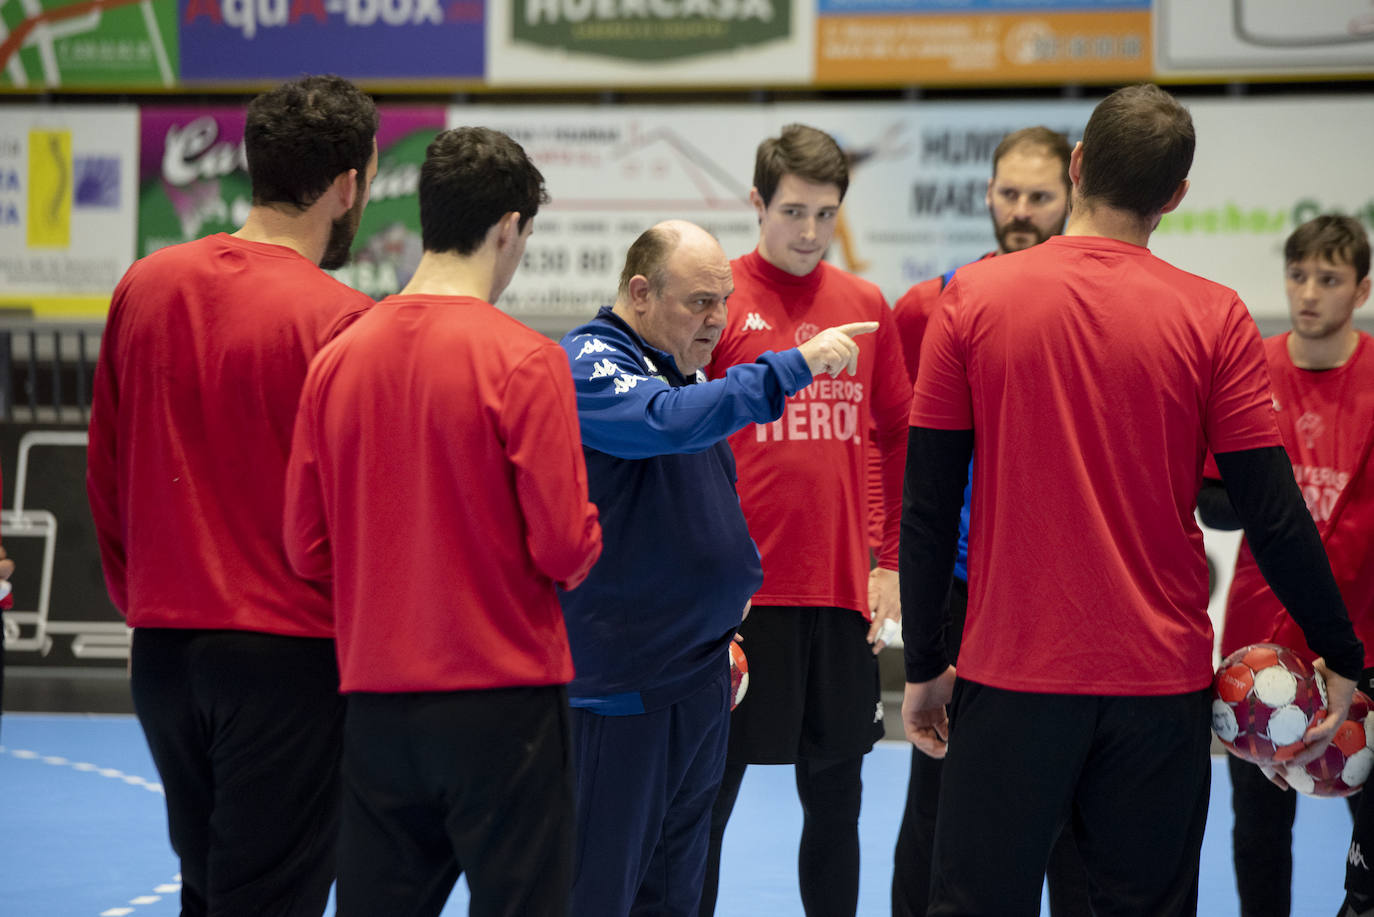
x=50, y=189
x=998, y=48
x=74, y=307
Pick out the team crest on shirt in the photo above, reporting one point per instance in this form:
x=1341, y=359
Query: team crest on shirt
x=805, y=332
x=1310, y=426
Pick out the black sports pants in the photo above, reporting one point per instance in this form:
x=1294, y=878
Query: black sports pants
x=245, y=731
x=1130, y=774
x=443, y=783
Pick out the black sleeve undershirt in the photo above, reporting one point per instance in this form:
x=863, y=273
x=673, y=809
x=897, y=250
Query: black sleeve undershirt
x=932, y=495
x=1214, y=506
x=1284, y=540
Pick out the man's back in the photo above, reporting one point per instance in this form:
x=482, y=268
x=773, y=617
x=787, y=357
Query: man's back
x=444, y=440
x=1097, y=377
x=207, y=345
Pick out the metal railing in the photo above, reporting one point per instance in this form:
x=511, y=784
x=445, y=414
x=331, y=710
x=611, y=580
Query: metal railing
x=47, y=370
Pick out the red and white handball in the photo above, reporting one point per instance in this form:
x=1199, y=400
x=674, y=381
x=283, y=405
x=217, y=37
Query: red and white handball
x=1264, y=698
x=739, y=674
x=1344, y=767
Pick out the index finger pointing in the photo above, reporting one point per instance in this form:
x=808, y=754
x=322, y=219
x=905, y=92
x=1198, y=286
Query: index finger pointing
x=856, y=328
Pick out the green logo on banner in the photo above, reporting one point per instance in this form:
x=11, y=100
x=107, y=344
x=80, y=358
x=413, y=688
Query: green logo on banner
x=651, y=30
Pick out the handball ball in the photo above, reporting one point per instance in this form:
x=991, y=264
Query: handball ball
x=1343, y=768
x=1263, y=699
x=739, y=674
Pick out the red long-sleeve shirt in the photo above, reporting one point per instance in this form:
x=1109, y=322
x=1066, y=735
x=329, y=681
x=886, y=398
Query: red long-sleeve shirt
x=437, y=479
x=205, y=350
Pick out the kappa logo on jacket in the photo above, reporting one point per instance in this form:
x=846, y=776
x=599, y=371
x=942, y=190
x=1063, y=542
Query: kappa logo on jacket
x=625, y=383
x=603, y=369
x=595, y=345
x=755, y=322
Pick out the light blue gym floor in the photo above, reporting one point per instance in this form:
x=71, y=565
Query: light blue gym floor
x=82, y=832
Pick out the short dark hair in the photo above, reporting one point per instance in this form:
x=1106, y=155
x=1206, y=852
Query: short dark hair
x=1052, y=143
x=302, y=135
x=1339, y=239
x=648, y=255
x=471, y=178
x=1137, y=149
x=805, y=152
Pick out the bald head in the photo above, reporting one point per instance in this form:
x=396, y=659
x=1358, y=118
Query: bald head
x=673, y=289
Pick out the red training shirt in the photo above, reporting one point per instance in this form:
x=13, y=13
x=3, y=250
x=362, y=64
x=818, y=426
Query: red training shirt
x=803, y=478
x=437, y=479
x=200, y=368
x=1095, y=376
x=1326, y=418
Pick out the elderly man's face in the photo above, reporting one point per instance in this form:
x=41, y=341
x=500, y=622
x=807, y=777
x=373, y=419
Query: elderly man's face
x=686, y=317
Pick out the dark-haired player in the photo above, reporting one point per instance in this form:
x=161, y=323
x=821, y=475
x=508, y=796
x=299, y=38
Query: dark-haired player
x=1322, y=374
x=819, y=618
x=1094, y=378
x=205, y=350
x=436, y=479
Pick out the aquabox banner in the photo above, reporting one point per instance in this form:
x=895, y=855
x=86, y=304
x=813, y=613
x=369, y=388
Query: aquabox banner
x=404, y=40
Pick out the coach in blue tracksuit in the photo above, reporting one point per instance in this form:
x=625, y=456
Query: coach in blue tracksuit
x=651, y=625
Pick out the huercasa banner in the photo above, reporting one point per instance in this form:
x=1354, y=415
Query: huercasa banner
x=651, y=30
x=650, y=42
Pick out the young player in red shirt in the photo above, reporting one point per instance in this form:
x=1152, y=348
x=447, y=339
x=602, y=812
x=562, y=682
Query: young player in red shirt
x=1322, y=375
x=1094, y=378
x=819, y=618
x=232, y=663
x=437, y=482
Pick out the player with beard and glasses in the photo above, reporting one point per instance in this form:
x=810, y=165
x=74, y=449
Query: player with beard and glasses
x=232, y=664
x=1028, y=201
x=1322, y=374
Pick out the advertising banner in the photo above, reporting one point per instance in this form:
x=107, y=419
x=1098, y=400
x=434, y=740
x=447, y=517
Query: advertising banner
x=83, y=44
x=193, y=182
x=1263, y=166
x=67, y=206
x=1239, y=37
x=411, y=40
x=666, y=43
x=877, y=42
x=915, y=206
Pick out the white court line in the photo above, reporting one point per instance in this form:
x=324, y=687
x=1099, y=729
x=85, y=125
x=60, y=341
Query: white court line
x=84, y=767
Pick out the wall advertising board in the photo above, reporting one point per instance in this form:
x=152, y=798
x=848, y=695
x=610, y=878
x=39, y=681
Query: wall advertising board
x=255, y=40
x=867, y=42
x=1239, y=37
x=67, y=206
x=915, y=206
x=1262, y=167
x=665, y=43
x=193, y=182
x=81, y=44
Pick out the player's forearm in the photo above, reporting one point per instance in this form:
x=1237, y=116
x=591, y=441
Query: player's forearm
x=1289, y=552
x=1214, y=506
x=936, y=471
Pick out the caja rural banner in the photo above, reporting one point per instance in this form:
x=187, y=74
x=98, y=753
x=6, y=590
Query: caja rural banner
x=192, y=182
x=67, y=206
x=673, y=43
x=896, y=42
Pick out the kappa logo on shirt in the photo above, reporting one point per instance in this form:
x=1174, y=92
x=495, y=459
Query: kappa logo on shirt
x=755, y=322
x=625, y=383
x=603, y=369
x=595, y=345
